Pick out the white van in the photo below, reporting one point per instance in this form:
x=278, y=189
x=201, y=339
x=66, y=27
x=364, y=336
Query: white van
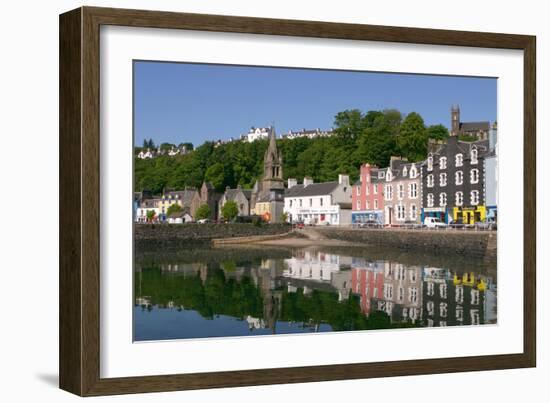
x=433, y=222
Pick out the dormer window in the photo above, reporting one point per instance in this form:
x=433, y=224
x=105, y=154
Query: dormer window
x=443, y=163
x=473, y=155
x=459, y=158
x=413, y=172
x=388, y=175
x=405, y=171
x=430, y=162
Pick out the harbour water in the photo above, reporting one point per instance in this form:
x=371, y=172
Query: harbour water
x=202, y=292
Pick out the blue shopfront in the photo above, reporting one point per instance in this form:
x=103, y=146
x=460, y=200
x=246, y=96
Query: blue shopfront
x=367, y=216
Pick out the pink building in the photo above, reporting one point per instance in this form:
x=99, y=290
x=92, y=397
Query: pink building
x=367, y=281
x=368, y=196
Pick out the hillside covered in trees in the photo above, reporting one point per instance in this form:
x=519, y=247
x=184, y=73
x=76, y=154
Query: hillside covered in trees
x=371, y=137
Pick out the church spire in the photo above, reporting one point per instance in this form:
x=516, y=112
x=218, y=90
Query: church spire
x=273, y=161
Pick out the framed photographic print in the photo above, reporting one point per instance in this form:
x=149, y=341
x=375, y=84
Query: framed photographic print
x=250, y=201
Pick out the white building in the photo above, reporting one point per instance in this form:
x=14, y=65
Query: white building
x=327, y=203
x=146, y=154
x=309, y=133
x=257, y=133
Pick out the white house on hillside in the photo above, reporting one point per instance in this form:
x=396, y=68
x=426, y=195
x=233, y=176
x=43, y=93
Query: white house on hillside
x=257, y=133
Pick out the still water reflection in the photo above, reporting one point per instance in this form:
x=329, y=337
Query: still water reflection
x=206, y=292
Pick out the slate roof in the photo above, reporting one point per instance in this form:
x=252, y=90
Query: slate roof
x=231, y=194
x=315, y=189
x=186, y=196
x=474, y=126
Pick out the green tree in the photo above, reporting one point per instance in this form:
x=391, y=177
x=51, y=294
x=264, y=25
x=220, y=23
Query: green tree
x=203, y=212
x=377, y=143
x=349, y=125
x=438, y=132
x=174, y=208
x=230, y=210
x=215, y=174
x=412, y=141
x=151, y=215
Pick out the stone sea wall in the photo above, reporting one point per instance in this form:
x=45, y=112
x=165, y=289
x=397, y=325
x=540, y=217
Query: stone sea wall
x=170, y=233
x=472, y=244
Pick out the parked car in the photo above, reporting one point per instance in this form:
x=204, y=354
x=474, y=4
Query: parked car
x=434, y=222
x=299, y=225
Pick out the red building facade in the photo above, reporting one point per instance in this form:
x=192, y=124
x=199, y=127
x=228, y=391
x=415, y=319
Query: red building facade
x=368, y=196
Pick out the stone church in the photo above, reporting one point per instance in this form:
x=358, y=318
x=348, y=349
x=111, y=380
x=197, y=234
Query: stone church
x=267, y=198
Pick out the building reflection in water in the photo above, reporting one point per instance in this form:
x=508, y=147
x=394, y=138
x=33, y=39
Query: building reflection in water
x=414, y=295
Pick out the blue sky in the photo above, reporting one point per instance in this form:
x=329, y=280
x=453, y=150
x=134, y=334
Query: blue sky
x=181, y=102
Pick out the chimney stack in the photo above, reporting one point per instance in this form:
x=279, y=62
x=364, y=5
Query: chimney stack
x=308, y=181
x=343, y=179
x=291, y=182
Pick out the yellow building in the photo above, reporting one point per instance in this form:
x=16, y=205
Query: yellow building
x=469, y=215
x=263, y=209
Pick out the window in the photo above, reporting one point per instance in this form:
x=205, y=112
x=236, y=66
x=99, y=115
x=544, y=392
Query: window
x=400, y=273
x=443, y=163
x=413, y=190
x=321, y=201
x=368, y=205
x=400, y=212
x=474, y=316
x=389, y=192
x=290, y=202
x=443, y=290
x=430, y=199
x=474, y=197
x=431, y=289
x=388, y=291
x=474, y=175
x=459, y=294
x=430, y=181
x=459, y=177
x=389, y=176
x=310, y=202
x=430, y=308
x=459, y=159
x=430, y=162
x=300, y=202
x=459, y=314
x=412, y=275
x=405, y=171
x=401, y=294
x=443, y=179
x=358, y=207
x=443, y=323
x=368, y=189
x=400, y=191
x=413, y=172
x=473, y=156
x=413, y=295
x=459, y=198
x=376, y=204
x=443, y=310
x=414, y=213
x=442, y=199
x=474, y=295
x=358, y=190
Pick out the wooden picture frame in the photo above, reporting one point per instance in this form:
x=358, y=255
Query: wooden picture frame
x=80, y=196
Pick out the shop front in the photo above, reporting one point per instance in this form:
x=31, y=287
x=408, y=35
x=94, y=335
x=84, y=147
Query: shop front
x=437, y=212
x=469, y=215
x=367, y=216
